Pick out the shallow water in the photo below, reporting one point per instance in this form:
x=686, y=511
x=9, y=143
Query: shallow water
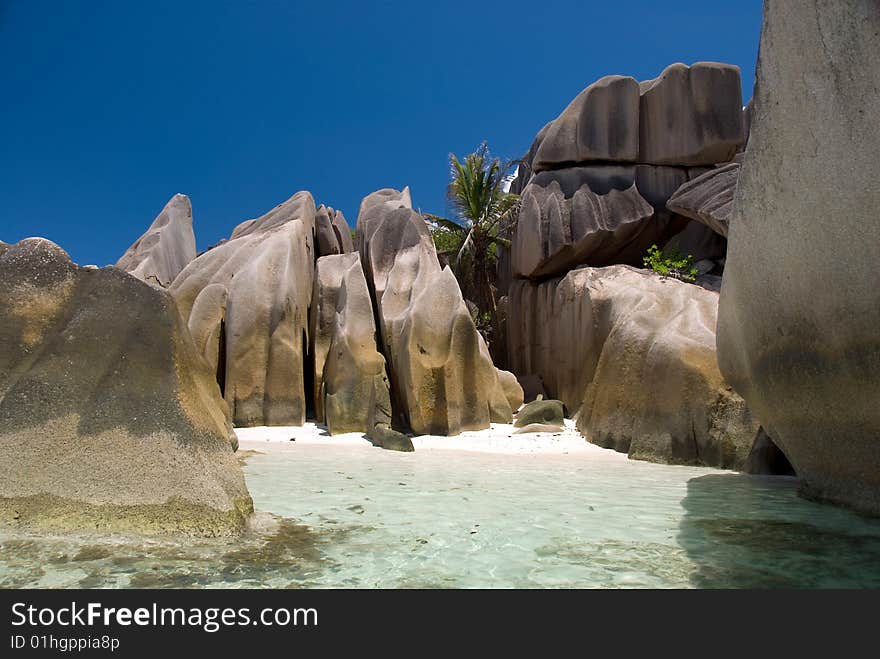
x=362, y=517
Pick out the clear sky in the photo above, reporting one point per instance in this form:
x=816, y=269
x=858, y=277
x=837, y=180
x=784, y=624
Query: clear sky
x=107, y=109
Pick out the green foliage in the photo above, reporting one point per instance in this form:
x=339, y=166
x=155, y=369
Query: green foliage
x=484, y=219
x=445, y=240
x=671, y=263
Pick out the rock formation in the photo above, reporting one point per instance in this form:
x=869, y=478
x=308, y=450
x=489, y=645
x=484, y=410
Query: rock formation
x=109, y=419
x=633, y=354
x=541, y=412
x=708, y=198
x=159, y=255
x=350, y=383
x=691, y=116
x=797, y=327
x=443, y=379
x=254, y=290
x=596, y=180
x=331, y=232
x=601, y=124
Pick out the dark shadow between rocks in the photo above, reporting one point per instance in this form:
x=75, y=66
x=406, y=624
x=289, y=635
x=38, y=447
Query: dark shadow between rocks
x=746, y=531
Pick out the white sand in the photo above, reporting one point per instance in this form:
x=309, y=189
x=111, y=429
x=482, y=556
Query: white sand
x=500, y=438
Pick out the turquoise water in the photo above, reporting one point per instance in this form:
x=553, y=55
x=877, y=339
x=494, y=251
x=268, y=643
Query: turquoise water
x=360, y=517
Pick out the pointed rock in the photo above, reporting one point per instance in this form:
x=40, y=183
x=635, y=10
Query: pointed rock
x=443, y=378
x=266, y=269
x=158, y=256
x=351, y=383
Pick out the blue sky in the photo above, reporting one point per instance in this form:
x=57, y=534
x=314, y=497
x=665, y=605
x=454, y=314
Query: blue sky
x=107, y=109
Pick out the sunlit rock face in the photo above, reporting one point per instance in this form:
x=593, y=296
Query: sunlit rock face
x=632, y=356
x=109, y=418
x=166, y=248
x=443, y=379
x=797, y=326
x=596, y=180
x=254, y=291
x=351, y=385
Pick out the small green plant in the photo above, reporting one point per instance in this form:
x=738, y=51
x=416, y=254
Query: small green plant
x=671, y=263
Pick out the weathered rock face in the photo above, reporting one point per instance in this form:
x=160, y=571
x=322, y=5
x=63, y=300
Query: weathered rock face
x=634, y=354
x=351, y=384
x=159, y=255
x=596, y=181
x=600, y=124
x=331, y=232
x=797, y=327
x=109, y=419
x=442, y=375
x=708, y=198
x=691, y=115
x=254, y=290
x=576, y=214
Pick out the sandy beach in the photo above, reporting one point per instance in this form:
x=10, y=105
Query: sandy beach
x=499, y=438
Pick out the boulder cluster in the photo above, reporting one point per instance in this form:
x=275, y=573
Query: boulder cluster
x=631, y=354
x=596, y=181
x=120, y=386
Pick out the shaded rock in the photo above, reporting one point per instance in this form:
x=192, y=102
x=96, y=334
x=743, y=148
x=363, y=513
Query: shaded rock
x=332, y=234
x=351, y=385
x=657, y=184
x=109, y=419
x=691, y=115
x=600, y=124
x=797, y=326
x=582, y=215
x=442, y=375
x=391, y=440
x=267, y=269
x=532, y=387
x=542, y=412
x=698, y=241
x=159, y=255
x=708, y=198
x=634, y=354
x=767, y=459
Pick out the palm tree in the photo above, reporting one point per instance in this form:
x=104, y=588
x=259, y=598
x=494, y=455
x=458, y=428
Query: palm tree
x=484, y=218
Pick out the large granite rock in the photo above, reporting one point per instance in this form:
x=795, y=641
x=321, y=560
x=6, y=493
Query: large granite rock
x=351, y=384
x=600, y=124
x=708, y=198
x=596, y=180
x=266, y=269
x=331, y=232
x=797, y=328
x=598, y=215
x=443, y=379
x=159, y=255
x=634, y=355
x=109, y=419
x=691, y=115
